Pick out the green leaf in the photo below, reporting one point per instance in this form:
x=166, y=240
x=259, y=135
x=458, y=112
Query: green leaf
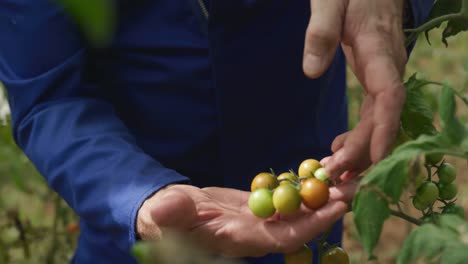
x=452, y=127
x=96, y=18
x=417, y=246
x=384, y=184
x=454, y=26
x=447, y=243
x=370, y=212
x=417, y=116
x=389, y=177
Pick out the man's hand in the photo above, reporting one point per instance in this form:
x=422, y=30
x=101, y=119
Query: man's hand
x=372, y=38
x=219, y=220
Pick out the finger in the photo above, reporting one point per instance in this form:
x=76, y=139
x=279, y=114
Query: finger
x=324, y=161
x=353, y=156
x=383, y=80
x=291, y=235
x=339, y=141
x=348, y=175
x=175, y=210
x=344, y=191
x=323, y=35
x=392, y=96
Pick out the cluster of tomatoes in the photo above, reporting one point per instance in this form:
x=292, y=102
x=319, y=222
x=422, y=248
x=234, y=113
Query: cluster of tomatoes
x=284, y=193
x=443, y=190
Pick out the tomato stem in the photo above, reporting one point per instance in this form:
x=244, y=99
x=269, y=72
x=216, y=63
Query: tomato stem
x=429, y=25
x=406, y=217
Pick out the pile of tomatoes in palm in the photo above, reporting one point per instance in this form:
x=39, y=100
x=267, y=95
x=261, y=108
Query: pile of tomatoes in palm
x=285, y=193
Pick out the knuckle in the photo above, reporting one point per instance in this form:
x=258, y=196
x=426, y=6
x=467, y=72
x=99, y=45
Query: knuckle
x=325, y=36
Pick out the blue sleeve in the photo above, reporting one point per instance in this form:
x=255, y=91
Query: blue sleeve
x=420, y=10
x=65, y=126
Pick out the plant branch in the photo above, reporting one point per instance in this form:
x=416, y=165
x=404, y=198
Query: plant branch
x=434, y=22
x=455, y=91
x=406, y=217
x=22, y=233
x=53, y=246
x=429, y=25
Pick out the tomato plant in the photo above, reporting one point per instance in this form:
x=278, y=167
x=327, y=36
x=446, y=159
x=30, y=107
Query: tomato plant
x=440, y=225
x=454, y=209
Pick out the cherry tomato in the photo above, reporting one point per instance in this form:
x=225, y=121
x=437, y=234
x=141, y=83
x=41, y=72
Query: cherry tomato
x=261, y=203
x=335, y=255
x=321, y=174
x=418, y=204
x=454, y=209
x=427, y=193
x=142, y=252
x=314, y=193
x=285, y=176
x=73, y=228
x=447, y=173
x=434, y=159
x=302, y=256
x=286, y=199
x=308, y=167
x=447, y=191
x=264, y=180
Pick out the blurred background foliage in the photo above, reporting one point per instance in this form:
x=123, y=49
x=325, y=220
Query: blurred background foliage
x=36, y=226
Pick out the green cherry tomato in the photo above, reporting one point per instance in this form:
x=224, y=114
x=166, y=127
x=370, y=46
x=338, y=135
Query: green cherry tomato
x=447, y=191
x=321, y=174
x=335, y=255
x=264, y=180
x=286, y=199
x=308, y=167
x=454, y=209
x=427, y=193
x=301, y=256
x=418, y=204
x=261, y=203
x=434, y=159
x=142, y=252
x=285, y=176
x=447, y=173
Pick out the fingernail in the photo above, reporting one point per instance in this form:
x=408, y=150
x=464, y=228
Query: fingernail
x=312, y=64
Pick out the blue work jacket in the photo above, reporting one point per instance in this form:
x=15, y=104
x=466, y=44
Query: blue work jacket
x=173, y=98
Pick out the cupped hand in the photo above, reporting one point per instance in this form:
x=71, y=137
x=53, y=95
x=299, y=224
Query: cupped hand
x=219, y=220
x=371, y=34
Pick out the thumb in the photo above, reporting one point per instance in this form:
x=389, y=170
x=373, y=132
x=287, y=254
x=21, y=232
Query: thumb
x=323, y=35
x=175, y=210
